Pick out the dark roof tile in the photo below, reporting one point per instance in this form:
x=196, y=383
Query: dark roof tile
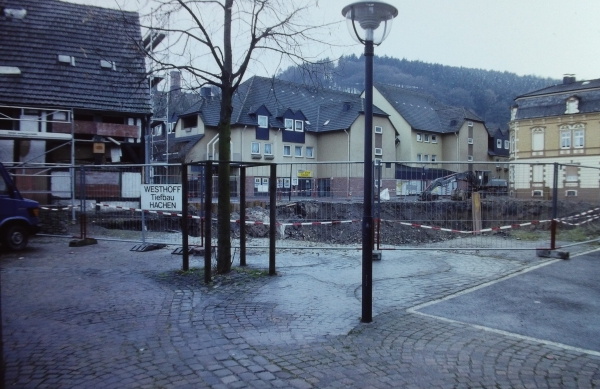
x=89, y=34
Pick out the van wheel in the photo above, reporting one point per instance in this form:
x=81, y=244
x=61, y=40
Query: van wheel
x=16, y=237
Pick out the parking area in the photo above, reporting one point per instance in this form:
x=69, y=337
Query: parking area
x=104, y=316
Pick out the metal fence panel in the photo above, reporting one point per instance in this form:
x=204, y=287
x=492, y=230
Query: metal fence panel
x=417, y=205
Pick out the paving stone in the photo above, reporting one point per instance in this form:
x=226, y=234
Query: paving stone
x=107, y=318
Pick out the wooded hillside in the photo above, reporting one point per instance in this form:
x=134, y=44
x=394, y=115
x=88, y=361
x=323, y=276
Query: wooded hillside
x=488, y=93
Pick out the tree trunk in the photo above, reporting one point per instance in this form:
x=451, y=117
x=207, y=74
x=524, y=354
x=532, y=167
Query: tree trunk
x=224, y=206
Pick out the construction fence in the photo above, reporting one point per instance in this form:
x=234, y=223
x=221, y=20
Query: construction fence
x=417, y=205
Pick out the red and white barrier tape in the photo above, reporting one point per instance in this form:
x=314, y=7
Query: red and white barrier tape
x=296, y=224
x=588, y=220
x=59, y=209
x=145, y=210
x=582, y=214
x=335, y=222
x=417, y=225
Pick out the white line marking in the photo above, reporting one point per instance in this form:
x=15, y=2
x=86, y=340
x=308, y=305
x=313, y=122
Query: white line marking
x=414, y=310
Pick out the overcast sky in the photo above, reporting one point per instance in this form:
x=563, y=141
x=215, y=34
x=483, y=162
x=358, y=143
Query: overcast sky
x=546, y=38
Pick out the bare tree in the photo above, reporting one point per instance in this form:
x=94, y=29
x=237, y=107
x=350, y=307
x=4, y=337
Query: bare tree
x=214, y=42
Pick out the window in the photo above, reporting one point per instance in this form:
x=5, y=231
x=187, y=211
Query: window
x=470, y=141
x=537, y=175
x=565, y=139
x=263, y=121
x=268, y=149
x=419, y=138
x=433, y=158
x=378, y=130
x=170, y=128
x=470, y=158
x=537, y=139
x=498, y=143
x=66, y=59
x=189, y=122
x=433, y=138
x=377, y=161
x=255, y=148
x=578, y=138
x=299, y=125
x=104, y=64
x=571, y=173
x=470, y=124
x=571, y=193
x=425, y=137
x=506, y=144
x=419, y=157
x=289, y=124
x=572, y=105
x=378, y=151
x=537, y=193
x=310, y=152
x=298, y=151
x=426, y=158
x=287, y=151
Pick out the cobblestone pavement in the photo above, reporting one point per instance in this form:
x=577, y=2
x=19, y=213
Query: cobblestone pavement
x=104, y=317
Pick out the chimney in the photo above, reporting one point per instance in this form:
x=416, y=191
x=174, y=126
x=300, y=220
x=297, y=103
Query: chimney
x=175, y=81
x=206, y=92
x=569, y=79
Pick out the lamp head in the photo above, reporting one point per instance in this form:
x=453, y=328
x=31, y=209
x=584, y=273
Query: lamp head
x=365, y=17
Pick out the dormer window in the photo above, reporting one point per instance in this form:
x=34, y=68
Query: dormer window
x=498, y=143
x=263, y=121
x=299, y=125
x=572, y=105
x=289, y=124
x=189, y=122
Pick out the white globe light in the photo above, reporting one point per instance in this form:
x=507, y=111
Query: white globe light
x=365, y=18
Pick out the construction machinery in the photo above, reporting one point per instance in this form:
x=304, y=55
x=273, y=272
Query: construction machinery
x=460, y=186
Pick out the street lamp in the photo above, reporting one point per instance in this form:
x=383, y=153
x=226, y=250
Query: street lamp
x=364, y=19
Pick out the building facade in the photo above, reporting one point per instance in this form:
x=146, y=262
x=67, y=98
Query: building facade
x=558, y=124
x=73, y=84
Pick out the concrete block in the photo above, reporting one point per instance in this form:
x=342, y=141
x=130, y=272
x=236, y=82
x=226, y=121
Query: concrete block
x=82, y=242
x=547, y=253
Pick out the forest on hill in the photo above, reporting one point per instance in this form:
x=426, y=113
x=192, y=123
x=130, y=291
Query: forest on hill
x=488, y=93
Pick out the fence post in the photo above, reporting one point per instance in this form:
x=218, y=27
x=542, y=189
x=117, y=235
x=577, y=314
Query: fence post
x=554, y=208
x=82, y=216
x=208, y=222
x=272, y=218
x=243, y=216
x=145, y=181
x=184, y=217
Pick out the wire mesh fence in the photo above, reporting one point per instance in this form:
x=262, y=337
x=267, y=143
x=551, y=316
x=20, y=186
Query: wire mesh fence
x=417, y=205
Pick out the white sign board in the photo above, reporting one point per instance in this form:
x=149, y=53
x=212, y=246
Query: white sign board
x=162, y=197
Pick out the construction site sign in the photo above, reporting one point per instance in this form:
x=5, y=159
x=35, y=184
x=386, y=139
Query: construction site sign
x=165, y=197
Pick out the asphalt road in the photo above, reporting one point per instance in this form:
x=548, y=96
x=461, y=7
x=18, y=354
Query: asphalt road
x=559, y=302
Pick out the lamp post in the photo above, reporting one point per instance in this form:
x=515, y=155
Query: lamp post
x=364, y=19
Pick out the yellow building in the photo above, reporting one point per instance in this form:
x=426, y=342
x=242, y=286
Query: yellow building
x=559, y=124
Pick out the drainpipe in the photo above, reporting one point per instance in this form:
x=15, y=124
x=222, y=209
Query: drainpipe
x=215, y=138
x=242, y=144
x=213, y=147
x=457, y=152
x=348, y=167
